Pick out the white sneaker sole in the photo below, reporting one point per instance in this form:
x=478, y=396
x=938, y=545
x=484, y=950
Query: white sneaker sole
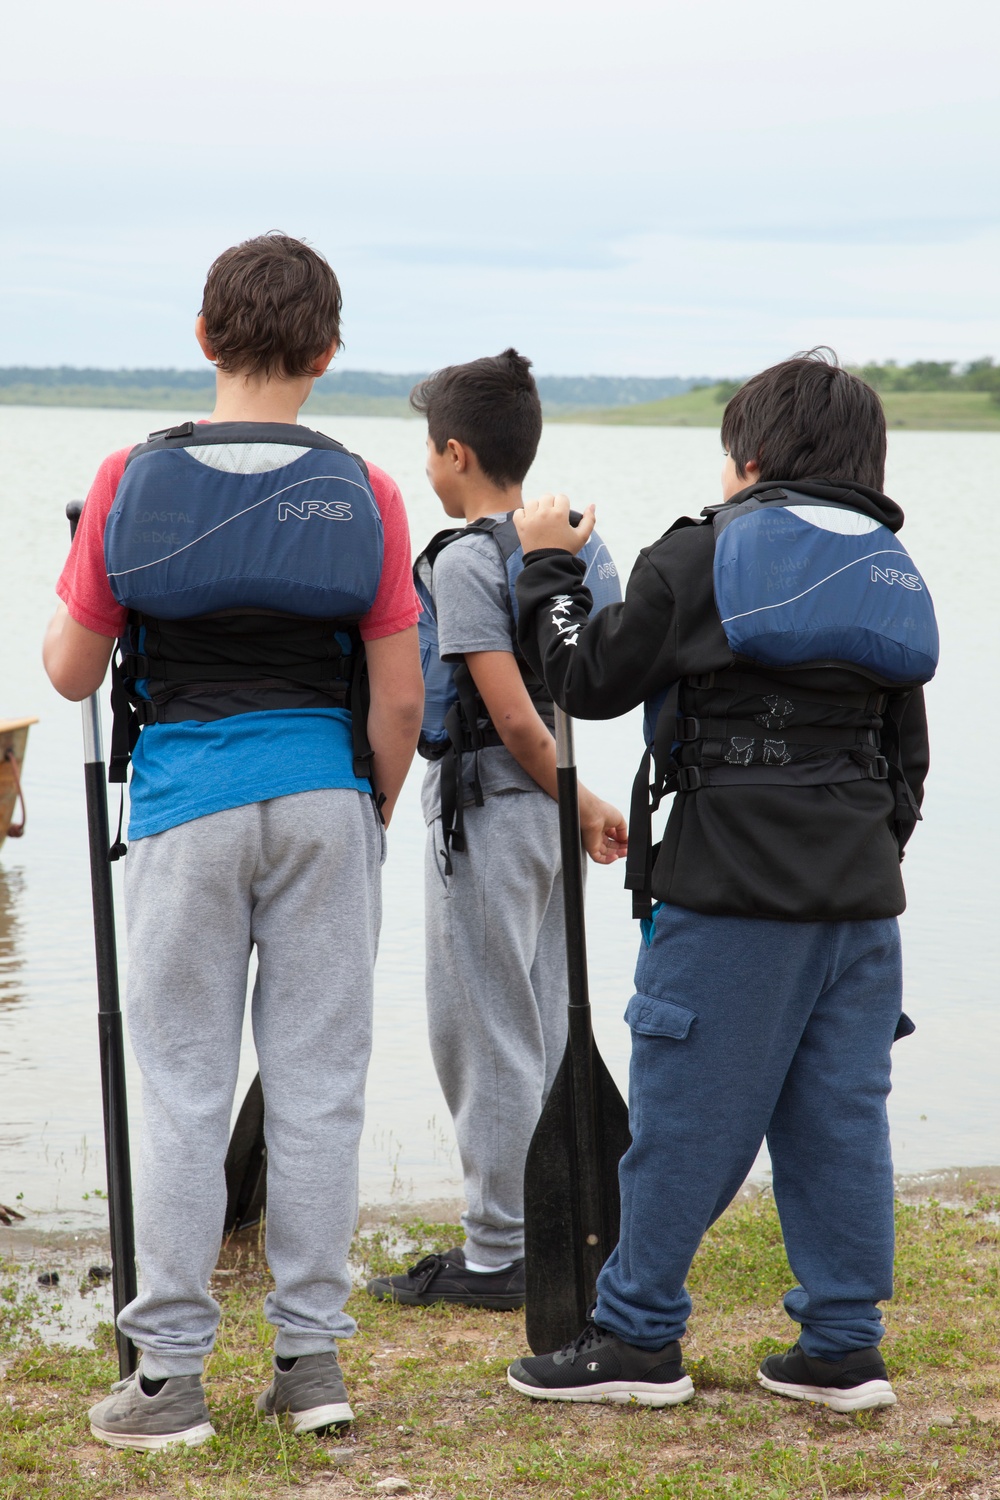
x=621, y=1392
x=859, y=1398
x=335, y=1414
x=152, y=1442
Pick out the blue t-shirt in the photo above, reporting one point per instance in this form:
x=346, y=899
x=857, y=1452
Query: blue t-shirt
x=188, y=770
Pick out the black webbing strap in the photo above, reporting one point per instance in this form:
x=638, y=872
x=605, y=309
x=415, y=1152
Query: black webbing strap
x=364, y=755
x=124, y=723
x=462, y=726
x=647, y=794
x=907, y=810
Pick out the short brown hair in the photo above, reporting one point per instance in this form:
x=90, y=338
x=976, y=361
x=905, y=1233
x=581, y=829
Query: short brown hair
x=271, y=307
x=807, y=418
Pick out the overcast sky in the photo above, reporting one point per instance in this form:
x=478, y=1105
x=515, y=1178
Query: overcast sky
x=690, y=186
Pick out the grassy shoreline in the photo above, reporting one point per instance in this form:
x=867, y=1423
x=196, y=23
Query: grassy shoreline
x=918, y=411
x=433, y=1409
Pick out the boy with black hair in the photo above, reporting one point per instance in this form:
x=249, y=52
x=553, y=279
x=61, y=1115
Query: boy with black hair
x=496, y=957
x=254, y=573
x=780, y=645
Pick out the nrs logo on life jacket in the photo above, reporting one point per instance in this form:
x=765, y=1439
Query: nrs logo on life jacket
x=330, y=510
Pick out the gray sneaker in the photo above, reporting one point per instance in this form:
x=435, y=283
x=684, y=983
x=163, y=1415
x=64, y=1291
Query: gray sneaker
x=311, y=1396
x=128, y=1418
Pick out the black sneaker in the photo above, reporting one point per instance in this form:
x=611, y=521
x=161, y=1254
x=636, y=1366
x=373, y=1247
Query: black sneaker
x=854, y=1383
x=598, y=1366
x=446, y=1278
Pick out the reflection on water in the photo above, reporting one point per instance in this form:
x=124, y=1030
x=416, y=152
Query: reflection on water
x=11, y=957
x=945, y=1105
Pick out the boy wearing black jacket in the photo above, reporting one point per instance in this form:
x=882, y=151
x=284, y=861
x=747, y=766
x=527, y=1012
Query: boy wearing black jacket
x=768, y=987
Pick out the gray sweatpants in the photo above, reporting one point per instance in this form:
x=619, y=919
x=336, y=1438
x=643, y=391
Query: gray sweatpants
x=300, y=878
x=496, y=1000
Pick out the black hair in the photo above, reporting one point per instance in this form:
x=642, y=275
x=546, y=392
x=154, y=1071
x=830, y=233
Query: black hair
x=492, y=406
x=807, y=418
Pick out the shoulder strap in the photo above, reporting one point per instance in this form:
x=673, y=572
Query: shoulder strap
x=210, y=434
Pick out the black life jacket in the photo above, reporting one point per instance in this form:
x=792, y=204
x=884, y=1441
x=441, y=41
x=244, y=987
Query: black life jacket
x=245, y=553
x=807, y=590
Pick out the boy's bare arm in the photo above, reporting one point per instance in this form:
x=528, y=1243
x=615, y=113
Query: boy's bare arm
x=396, y=710
x=75, y=658
x=501, y=687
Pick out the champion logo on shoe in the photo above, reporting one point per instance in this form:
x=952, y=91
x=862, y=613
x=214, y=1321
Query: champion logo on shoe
x=613, y=1371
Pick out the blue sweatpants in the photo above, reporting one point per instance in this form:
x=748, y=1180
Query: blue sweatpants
x=745, y=1028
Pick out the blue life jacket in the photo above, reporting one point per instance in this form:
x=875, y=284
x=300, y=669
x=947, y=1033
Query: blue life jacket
x=802, y=585
x=456, y=721
x=245, y=553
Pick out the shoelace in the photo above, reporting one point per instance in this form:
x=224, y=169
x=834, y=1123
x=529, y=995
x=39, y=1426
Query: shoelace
x=584, y=1341
x=425, y=1270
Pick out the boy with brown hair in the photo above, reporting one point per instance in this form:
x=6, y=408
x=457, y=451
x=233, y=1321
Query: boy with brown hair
x=256, y=576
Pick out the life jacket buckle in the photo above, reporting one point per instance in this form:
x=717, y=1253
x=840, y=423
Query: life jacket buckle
x=688, y=729
x=689, y=778
x=879, y=769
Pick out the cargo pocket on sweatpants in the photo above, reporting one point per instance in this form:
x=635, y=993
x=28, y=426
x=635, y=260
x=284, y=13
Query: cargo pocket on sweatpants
x=653, y=1023
x=648, y=1016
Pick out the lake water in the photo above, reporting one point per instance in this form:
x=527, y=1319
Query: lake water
x=946, y=1102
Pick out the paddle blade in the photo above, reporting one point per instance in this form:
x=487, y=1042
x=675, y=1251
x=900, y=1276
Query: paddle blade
x=563, y=1255
x=246, y=1164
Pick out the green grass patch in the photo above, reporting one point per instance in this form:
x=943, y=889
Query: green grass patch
x=939, y=411
x=433, y=1408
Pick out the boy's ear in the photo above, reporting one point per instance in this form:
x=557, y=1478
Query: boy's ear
x=459, y=455
x=321, y=365
x=202, y=337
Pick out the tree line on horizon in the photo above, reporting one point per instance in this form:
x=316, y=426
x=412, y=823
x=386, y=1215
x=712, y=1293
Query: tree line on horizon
x=922, y=375
x=564, y=391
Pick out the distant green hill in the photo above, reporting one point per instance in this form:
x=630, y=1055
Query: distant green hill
x=938, y=411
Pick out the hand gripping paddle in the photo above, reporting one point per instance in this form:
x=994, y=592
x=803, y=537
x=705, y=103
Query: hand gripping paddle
x=571, y=1202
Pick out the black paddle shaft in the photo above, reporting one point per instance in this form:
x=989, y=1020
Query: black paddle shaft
x=580, y=1041
x=109, y=1020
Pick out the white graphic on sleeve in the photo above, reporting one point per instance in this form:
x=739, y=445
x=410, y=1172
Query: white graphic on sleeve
x=569, y=630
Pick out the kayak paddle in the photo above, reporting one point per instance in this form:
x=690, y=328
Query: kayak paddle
x=571, y=1200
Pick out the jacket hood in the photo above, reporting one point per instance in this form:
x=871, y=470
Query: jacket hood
x=836, y=491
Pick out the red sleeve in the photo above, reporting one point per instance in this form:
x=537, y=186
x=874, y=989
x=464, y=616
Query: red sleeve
x=83, y=583
x=396, y=605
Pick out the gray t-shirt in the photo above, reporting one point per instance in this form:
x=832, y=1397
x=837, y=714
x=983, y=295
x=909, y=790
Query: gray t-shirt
x=472, y=602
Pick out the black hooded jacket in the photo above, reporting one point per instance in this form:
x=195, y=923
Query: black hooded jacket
x=801, y=853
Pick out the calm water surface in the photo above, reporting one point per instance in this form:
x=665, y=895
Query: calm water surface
x=946, y=1102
